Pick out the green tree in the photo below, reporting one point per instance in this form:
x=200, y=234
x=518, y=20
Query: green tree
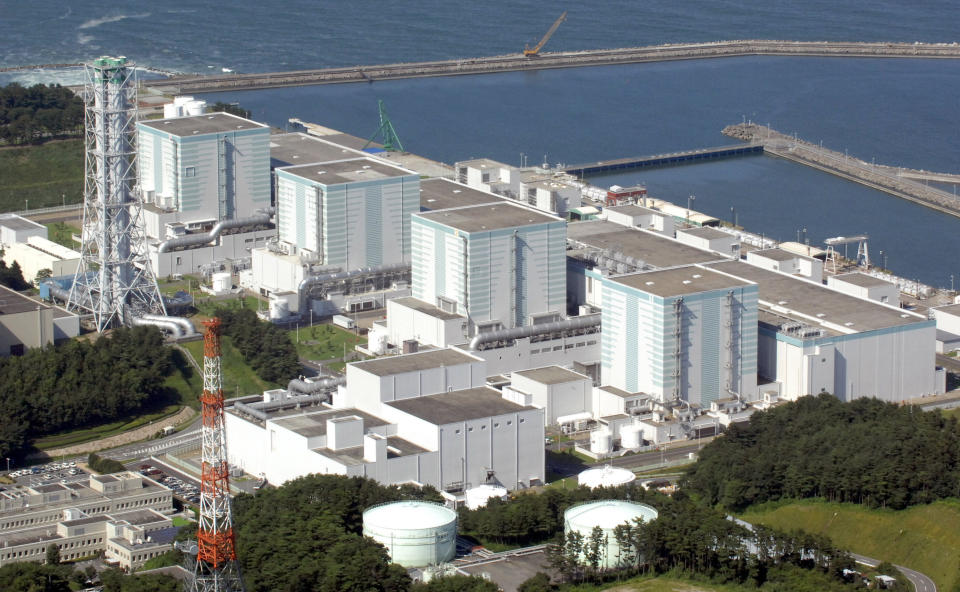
x=53, y=554
x=539, y=582
x=457, y=583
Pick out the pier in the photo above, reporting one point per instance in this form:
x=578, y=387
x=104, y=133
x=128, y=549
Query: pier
x=660, y=160
x=518, y=62
x=896, y=181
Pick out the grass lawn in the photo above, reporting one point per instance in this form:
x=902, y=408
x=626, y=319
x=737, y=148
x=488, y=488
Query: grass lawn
x=205, y=305
x=61, y=233
x=238, y=378
x=181, y=521
x=324, y=342
x=102, y=431
x=924, y=538
x=44, y=176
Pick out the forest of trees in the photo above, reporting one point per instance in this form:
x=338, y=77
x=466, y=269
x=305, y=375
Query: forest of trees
x=265, y=347
x=82, y=383
x=35, y=113
x=34, y=577
x=866, y=451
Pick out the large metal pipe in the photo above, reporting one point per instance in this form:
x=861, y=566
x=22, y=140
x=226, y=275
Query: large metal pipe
x=174, y=329
x=185, y=325
x=580, y=322
x=259, y=410
x=57, y=292
x=302, y=386
x=304, y=288
x=259, y=218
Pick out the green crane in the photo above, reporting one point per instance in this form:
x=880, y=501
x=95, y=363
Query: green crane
x=391, y=142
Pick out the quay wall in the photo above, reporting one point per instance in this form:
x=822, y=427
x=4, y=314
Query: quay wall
x=517, y=62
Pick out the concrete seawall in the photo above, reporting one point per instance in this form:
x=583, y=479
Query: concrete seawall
x=517, y=62
x=894, y=181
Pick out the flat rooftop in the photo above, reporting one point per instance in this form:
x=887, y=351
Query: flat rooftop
x=12, y=302
x=311, y=425
x=464, y=405
x=778, y=255
x=482, y=163
x=950, y=309
x=441, y=194
x=426, y=308
x=651, y=248
x=706, y=232
x=425, y=360
x=551, y=375
x=208, y=123
x=619, y=392
x=354, y=170
x=494, y=216
x=298, y=148
x=15, y=222
x=396, y=447
x=816, y=301
x=861, y=279
x=679, y=281
x=633, y=210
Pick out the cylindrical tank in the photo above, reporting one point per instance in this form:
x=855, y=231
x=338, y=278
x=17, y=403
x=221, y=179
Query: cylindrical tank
x=415, y=533
x=607, y=476
x=221, y=281
x=601, y=441
x=607, y=514
x=279, y=309
x=631, y=436
x=195, y=107
x=478, y=497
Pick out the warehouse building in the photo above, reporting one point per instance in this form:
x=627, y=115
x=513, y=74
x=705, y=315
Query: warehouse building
x=500, y=265
x=123, y=515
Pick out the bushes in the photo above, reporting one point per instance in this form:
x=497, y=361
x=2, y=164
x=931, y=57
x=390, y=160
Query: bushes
x=104, y=465
x=265, y=347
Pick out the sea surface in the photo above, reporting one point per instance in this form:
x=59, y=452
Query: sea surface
x=898, y=111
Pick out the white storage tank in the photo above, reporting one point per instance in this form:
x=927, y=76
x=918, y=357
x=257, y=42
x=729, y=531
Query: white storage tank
x=607, y=476
x=631, y=436
x=601, y=441
x=221, y=281
x=415, y=533
x=195, y=107
x=607, y=514
x=478, y=497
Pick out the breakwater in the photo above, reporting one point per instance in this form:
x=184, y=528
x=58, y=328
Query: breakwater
x=518, y=62
x=893, y=180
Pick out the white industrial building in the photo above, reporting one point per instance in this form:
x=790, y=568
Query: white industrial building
x=947, y=319
x=564, y=395
x=787, y=262
x=549, y=195
x=547, y=191
x=866, y=286
x=710, y=239
x=500, y=265
x=17, y=229
x=813, y=339
x=123, y=515
x=635, y=216
x=683, y=334
x=426, y=417
x=26, y=323
x=36, y=254
x=349, y=213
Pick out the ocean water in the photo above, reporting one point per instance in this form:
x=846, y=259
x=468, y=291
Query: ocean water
x=898, y=111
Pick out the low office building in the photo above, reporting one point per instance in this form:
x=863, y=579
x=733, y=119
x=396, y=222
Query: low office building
x=710, y=239
x=76, y=517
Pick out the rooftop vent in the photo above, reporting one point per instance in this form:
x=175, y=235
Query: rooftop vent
x=649, y=283
x=697, y=276
x=687, y=282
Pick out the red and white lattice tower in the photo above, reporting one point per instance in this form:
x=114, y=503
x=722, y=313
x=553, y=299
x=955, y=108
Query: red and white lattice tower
x=216, y=568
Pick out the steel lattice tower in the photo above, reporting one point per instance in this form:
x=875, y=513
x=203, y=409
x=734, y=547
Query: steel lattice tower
x=216, y=567
x=114, y=281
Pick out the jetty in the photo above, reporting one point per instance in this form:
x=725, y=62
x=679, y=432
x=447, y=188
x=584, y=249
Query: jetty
x=180, y=84
x=661, y=160
x=898, y=181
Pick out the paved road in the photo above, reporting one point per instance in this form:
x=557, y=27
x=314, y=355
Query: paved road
x=921, y=583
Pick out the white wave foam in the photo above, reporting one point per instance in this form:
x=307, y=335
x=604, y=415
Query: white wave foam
x=110, y=19
x=84, y=39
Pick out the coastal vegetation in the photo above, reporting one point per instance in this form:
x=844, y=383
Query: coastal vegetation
x=866, y=451
x=83, y=383
x=30, y=114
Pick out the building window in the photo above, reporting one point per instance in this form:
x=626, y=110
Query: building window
x=179, y=260
x=190, y=172
x=17, y=349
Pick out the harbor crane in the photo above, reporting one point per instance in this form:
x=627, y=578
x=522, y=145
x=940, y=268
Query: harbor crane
x=553, y=29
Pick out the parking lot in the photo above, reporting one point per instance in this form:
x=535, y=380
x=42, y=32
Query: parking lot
x=52, y=472
x=185, y=488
